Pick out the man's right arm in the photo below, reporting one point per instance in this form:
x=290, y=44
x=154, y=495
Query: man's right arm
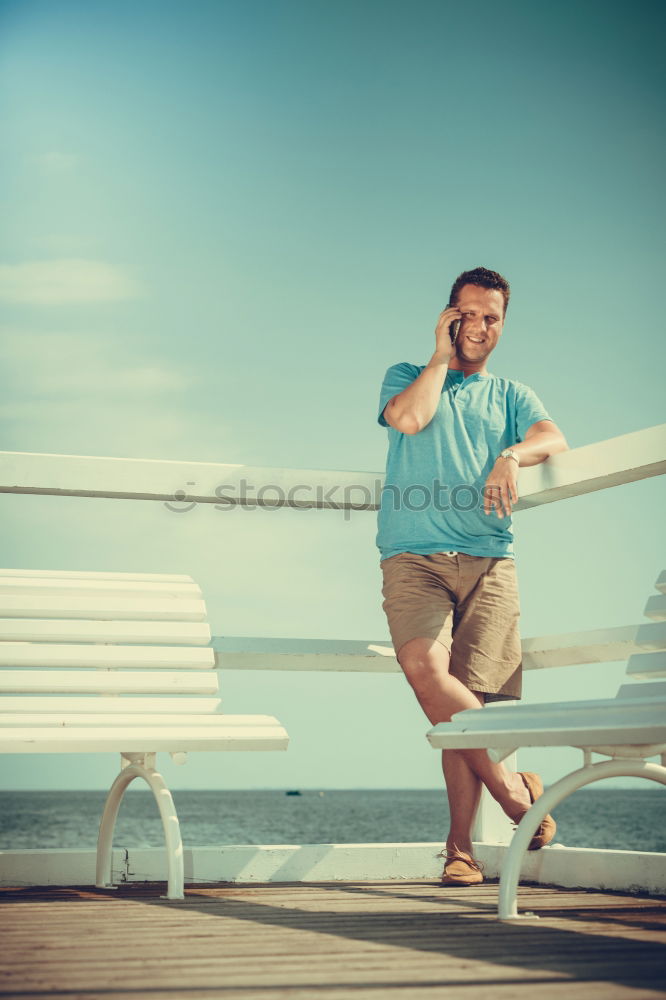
x=412, y=409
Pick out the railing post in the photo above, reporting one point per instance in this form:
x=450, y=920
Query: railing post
x=492, y=825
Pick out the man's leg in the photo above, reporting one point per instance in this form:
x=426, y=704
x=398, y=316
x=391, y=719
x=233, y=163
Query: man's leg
x=463, y=790
x=425, y=663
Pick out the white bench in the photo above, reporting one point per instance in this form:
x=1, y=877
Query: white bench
x=627, y=729
x=119, y=662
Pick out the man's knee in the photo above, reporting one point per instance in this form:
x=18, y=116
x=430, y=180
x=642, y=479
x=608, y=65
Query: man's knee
x=424, y=662
x=422, y=657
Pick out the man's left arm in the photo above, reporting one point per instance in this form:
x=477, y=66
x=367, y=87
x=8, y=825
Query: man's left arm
x=542, y=439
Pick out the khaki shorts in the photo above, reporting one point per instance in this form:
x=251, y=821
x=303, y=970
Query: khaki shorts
x=468, y=603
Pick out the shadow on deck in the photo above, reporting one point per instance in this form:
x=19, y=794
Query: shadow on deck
x=335, y=940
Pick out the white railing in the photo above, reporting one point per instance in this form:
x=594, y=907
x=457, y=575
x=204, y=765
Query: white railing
x=353, y=655
x=619, y=460
x=614, y=462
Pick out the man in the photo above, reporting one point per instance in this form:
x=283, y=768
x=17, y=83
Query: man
x=458, y=436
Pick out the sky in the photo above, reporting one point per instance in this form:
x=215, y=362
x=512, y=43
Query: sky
x=222, y=223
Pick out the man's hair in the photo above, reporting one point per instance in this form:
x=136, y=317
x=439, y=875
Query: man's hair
x=486, y=279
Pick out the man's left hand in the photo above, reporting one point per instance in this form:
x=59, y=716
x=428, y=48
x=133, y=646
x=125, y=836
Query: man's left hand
x=501, y=489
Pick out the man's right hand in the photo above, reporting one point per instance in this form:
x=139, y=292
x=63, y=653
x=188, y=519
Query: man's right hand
x=412, y=409
x=445, y=349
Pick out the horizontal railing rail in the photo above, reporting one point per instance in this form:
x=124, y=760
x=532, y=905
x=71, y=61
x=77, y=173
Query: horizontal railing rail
x=353, y=655
x=613, y=462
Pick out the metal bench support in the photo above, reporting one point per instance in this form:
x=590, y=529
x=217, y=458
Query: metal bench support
x=619, y=767
x=138, y=765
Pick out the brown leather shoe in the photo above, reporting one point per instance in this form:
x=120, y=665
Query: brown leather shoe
x=461, y=869
x=547, y=827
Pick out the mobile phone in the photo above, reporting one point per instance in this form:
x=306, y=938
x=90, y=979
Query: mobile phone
x=453, y=330
x=454, y=327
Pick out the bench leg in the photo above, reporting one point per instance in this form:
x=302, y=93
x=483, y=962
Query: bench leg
x=619, y=767
x=137, y=766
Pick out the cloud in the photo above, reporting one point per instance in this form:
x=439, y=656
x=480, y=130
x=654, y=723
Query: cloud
x=63, y=244
x=68, y=280
x=72, y=393
x=122, y=427
x=66, y=365
x=55, y=161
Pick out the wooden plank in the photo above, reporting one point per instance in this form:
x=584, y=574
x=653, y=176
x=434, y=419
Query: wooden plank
x=647, y=666
x=75, y=586
x=593, y=646
x=654, y=689
x=613, y=462
x=80, y=574
x=320, y=662
x=58, y=656
x=378, y=656
x=316, y=863
x=123, y=705
x=609, y=721
x=656, y=608
x=593, y=467
x=490, y=990
x=108, y=681
x=111, y=720
x=94, y=630
x=139, y=739
x=26, y=606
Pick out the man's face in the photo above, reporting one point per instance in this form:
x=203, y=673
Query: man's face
x=482, y=320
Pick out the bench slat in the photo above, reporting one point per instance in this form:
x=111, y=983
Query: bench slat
x=654, y=689
x=555, y=713
x=26, y=606
x=656, y=608
x=610, y=721
x=62, y=655
x=144, y=739
x=83, y=630
x=55, y=587
x=130, y=681
x=566, y=736
x=646, y=665
x=84, y=574
x=111, y=721
x=123, y=705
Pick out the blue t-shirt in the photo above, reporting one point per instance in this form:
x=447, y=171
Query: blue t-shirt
x=432, y=499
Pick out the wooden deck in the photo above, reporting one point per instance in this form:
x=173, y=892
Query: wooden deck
x=334, y=941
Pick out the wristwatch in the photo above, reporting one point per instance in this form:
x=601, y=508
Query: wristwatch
x=509, y=453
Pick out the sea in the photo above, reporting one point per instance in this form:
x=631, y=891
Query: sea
x=613, y=819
